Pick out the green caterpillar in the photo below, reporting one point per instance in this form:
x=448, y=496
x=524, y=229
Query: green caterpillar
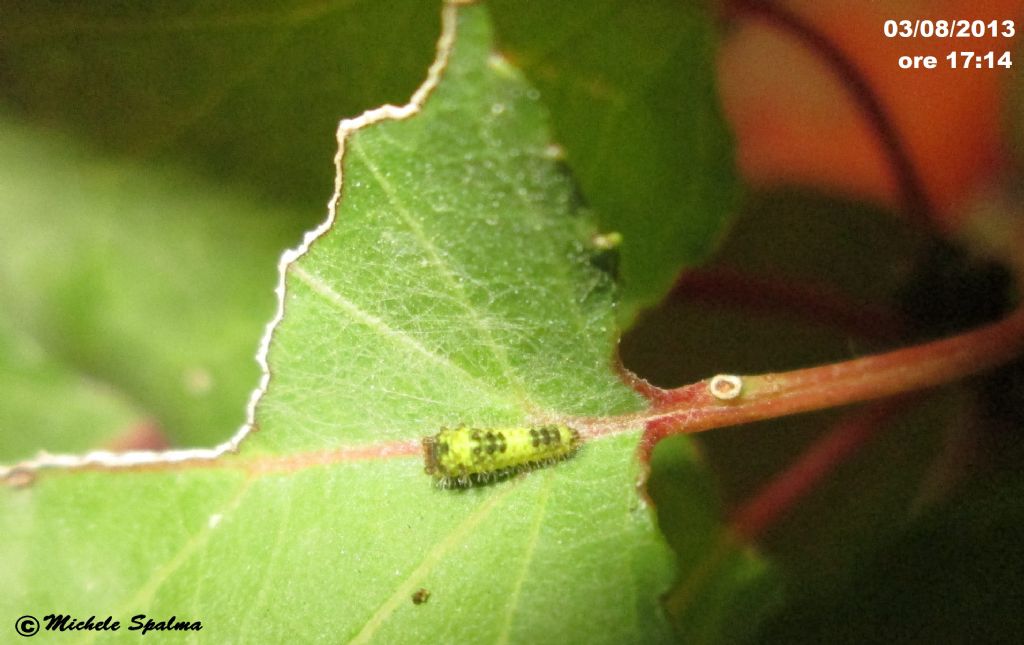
x=464, y=455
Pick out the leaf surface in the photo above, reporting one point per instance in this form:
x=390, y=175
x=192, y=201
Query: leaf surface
x=631, y=90
x=457, y=284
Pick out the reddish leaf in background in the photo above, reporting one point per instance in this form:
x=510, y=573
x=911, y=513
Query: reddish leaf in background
x=796, y=124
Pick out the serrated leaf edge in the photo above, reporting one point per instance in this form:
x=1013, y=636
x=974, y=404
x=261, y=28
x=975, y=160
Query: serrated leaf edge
x=22, y=472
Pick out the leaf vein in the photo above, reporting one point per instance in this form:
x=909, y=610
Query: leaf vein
x=377, y=324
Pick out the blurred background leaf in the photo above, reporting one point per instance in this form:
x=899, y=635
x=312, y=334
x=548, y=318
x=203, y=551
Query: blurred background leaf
x=631, y=90
x=158, y=159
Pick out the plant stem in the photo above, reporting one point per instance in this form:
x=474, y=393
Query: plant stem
x=841, y=442
x=693, y=408
x=816, y=304
x=916, y=204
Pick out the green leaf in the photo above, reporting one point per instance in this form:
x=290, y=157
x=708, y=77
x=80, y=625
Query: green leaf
x=631, y=90
x=147, y=280
x=243, y=92
x=867, y=249
x=90, y=412
x=156, y=281
x=724, y=588
x=457, y=285
x=952, y=575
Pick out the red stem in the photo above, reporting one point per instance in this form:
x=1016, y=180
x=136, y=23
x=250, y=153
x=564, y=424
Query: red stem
x=916, y=204
x=693, y=408
x=789, y=487
x=819, y=304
